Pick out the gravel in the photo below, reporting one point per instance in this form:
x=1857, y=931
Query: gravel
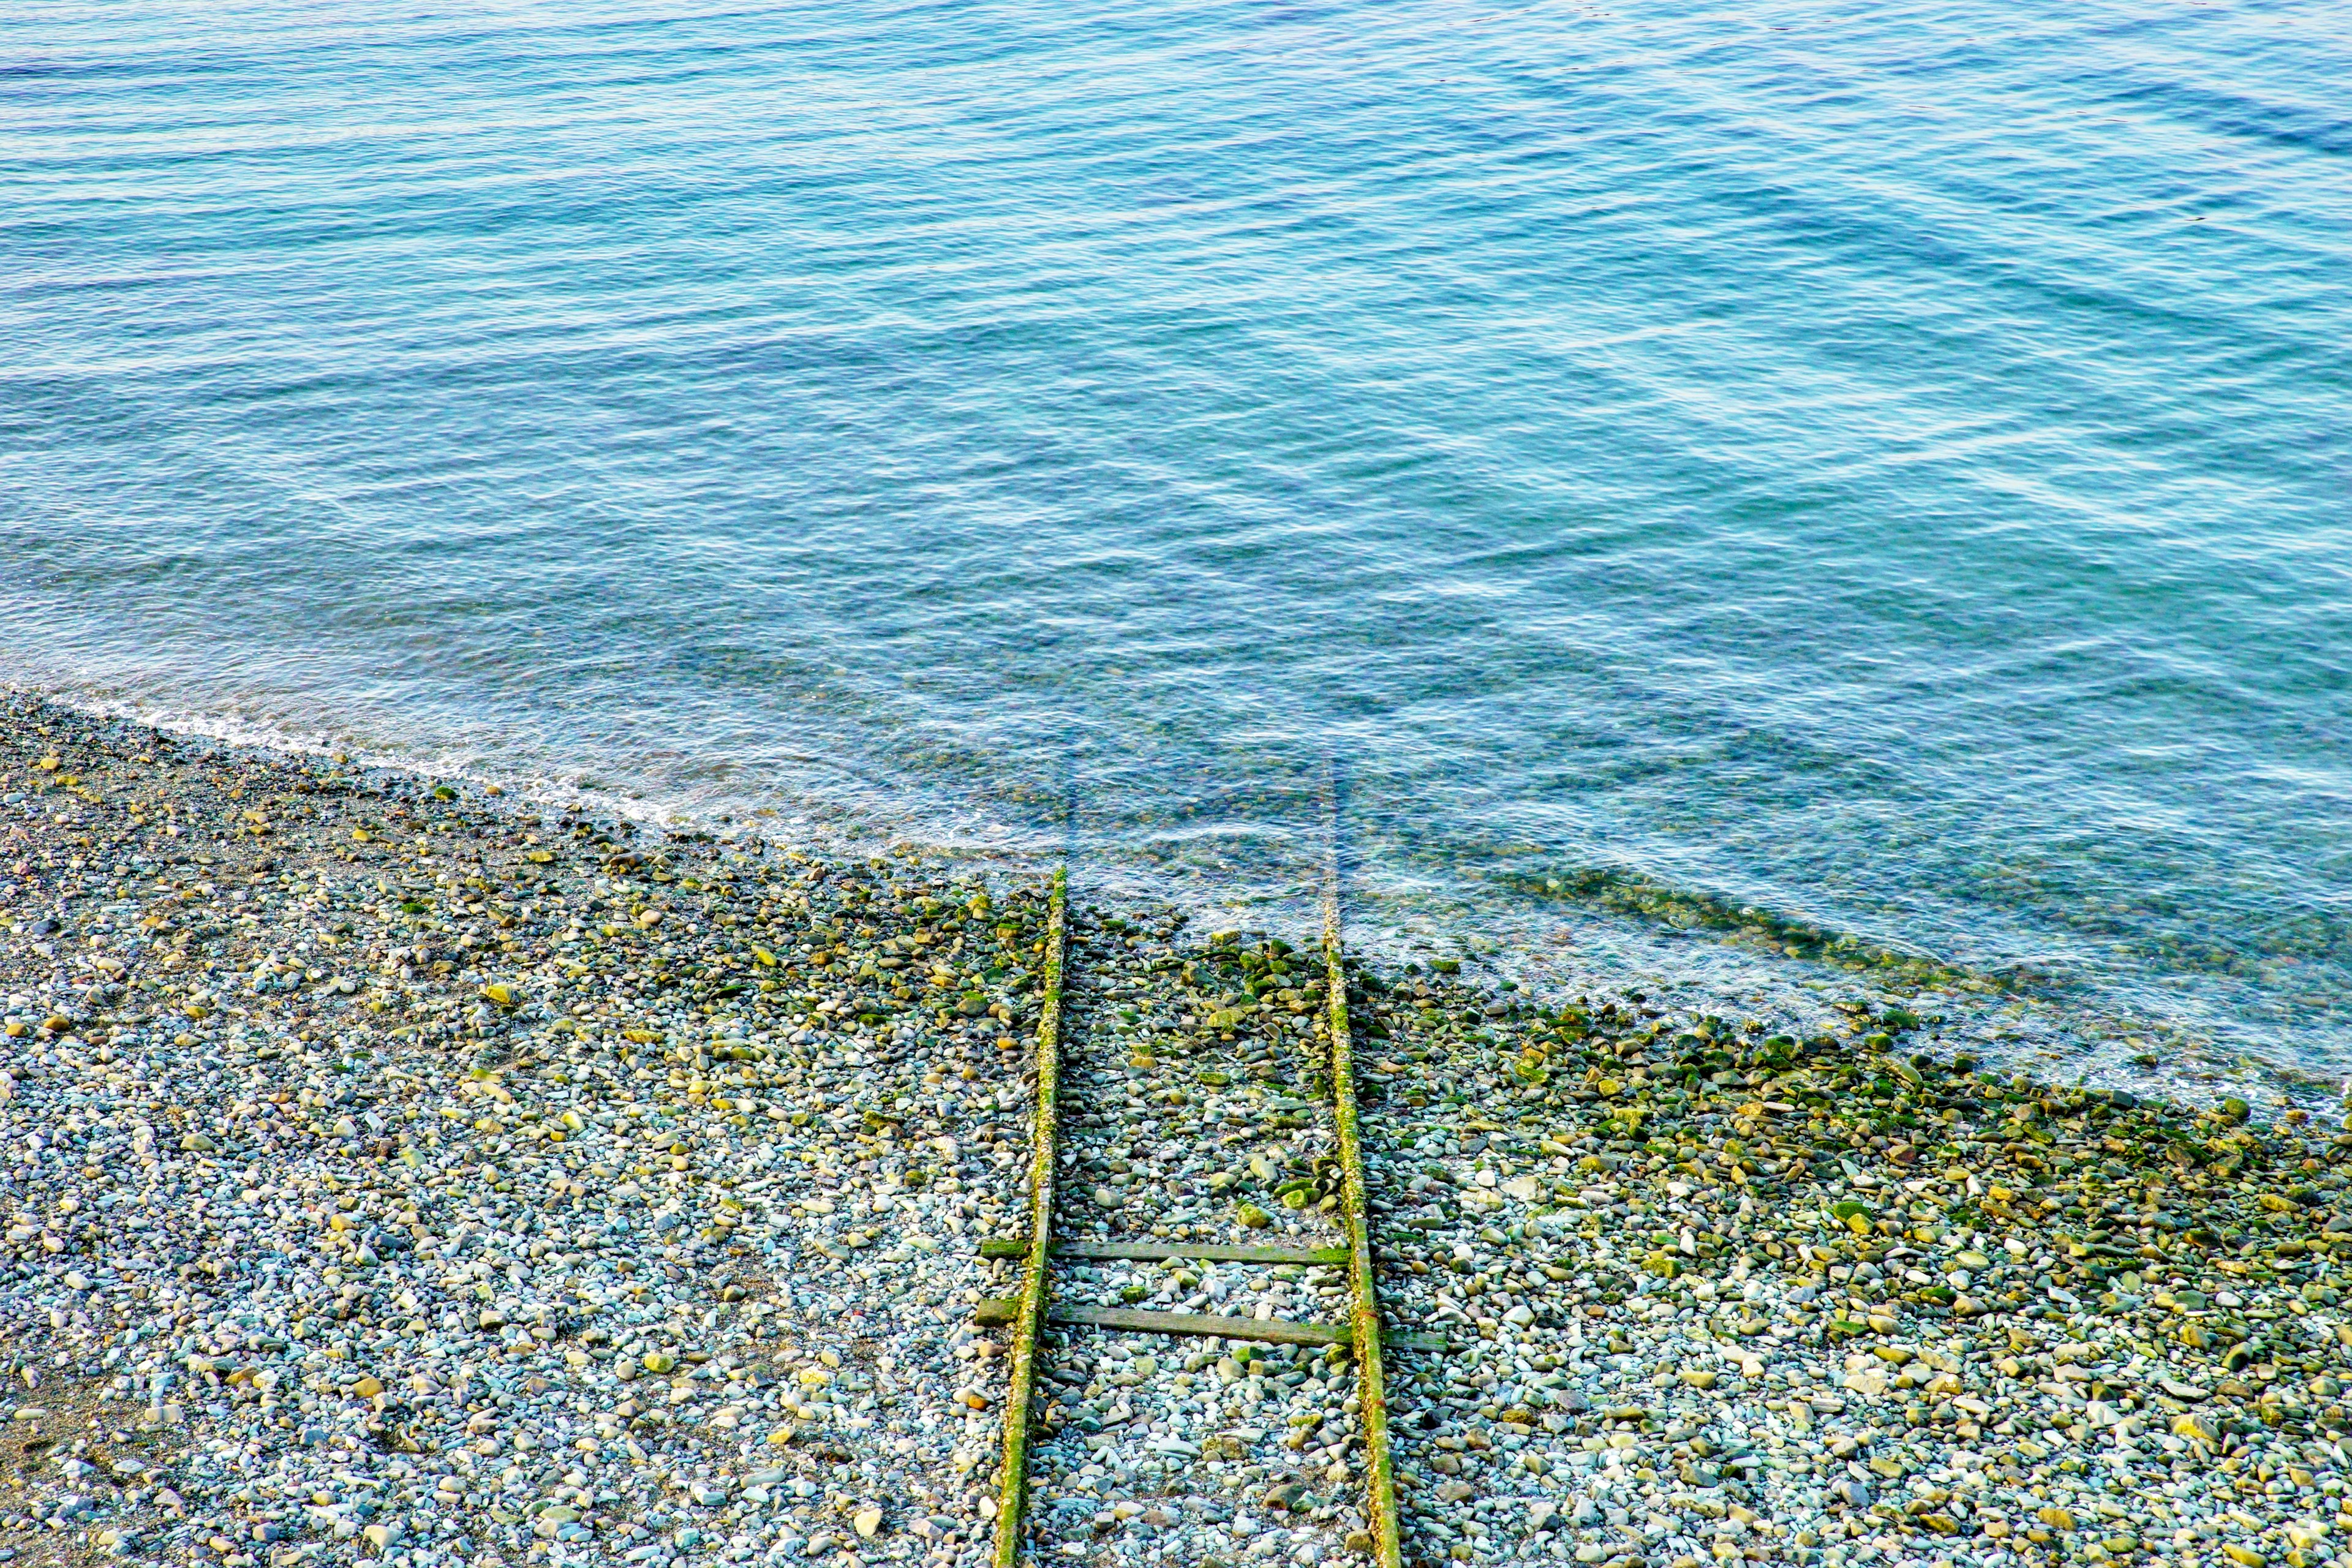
x=396, y=1172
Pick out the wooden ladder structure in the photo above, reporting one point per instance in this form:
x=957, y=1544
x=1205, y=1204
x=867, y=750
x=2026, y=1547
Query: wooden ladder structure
x=1027, y=1313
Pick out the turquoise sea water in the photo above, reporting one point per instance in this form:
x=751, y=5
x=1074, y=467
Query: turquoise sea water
x=1885, y=467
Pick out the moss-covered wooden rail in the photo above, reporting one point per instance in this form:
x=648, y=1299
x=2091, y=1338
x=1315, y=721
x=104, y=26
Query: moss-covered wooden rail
x=1027, y=1313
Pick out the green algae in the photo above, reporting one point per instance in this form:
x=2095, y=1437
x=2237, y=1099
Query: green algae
x=1629, y=893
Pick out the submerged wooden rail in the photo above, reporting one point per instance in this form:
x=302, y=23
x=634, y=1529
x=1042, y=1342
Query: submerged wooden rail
x=1380, y=1479
x=1029, y=1310
x=1027, y=1314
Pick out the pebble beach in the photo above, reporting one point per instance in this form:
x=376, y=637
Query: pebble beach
x=403, y=1172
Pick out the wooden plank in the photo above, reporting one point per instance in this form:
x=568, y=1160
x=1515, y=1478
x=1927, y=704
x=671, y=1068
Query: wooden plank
x=994, y=1314
x=1029, y=1309
x=1166, y=1252
x=1269, y=1331
x=1379, y=1472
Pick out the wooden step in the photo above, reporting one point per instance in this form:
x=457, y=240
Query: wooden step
x=1268, y=1331
x=1163, y=1252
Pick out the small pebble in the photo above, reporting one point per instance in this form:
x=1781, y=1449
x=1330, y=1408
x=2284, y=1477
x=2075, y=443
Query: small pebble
x=390, y=1166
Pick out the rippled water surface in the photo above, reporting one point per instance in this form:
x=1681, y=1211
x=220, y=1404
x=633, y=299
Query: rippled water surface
x=1882, y=467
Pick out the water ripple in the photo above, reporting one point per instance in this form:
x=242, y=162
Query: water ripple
x=1882, y=469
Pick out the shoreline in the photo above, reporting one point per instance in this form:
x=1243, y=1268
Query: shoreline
x=425, y=1152
x=2022, y=1017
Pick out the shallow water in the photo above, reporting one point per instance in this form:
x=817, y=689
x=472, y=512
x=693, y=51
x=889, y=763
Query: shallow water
x=1886, y=470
